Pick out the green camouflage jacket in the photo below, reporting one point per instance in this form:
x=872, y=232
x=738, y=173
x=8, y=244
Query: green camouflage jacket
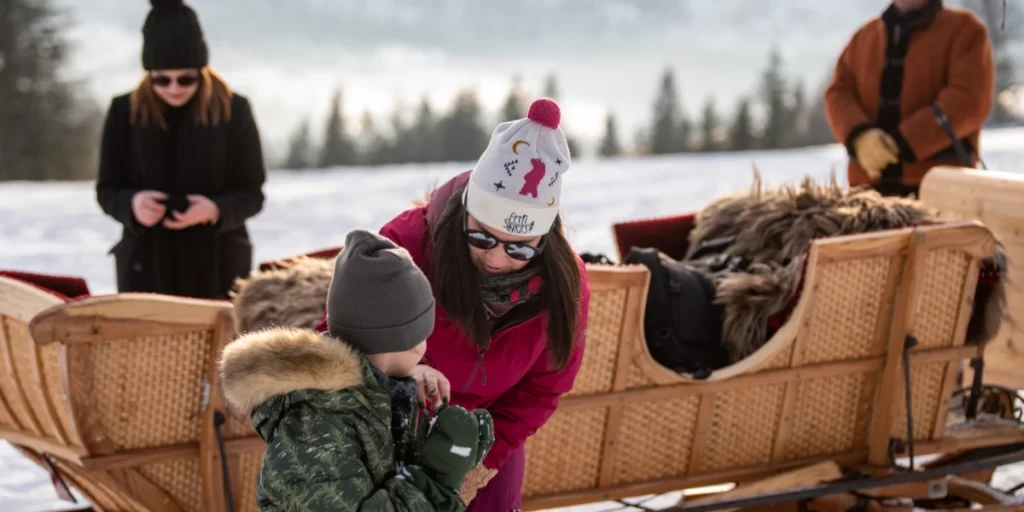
x=326, y=417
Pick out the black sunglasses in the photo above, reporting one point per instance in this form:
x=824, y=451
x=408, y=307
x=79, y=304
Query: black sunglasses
x=482, y=239
x=164, y=81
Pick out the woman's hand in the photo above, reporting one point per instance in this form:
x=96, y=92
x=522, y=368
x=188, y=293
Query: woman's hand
x=147, y=207
x=431, y=386
x=201, y=210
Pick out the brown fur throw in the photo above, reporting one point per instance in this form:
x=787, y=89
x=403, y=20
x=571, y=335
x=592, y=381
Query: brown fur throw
x=774, y=228
x=293, y=295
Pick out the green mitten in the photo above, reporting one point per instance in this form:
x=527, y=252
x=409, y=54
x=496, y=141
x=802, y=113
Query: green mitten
x=486, y=438
x=451, y=448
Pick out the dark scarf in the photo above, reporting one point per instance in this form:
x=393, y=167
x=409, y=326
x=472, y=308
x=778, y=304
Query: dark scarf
x=403, y=393
x=514, y=288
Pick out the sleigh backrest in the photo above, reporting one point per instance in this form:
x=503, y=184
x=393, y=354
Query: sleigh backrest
x=34, y=411
x=139, y=374
x=992, y=197
x=827, y=386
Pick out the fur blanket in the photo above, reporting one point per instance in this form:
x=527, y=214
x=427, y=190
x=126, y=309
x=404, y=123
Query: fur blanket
x=292, y=295
x=773, y=229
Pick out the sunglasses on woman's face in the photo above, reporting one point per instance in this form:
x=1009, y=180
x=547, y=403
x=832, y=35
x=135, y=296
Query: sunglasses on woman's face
x=483, y=239
x=165, y=81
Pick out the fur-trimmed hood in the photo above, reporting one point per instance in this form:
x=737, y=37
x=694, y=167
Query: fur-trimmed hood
x=773, y=230
x=262, y=364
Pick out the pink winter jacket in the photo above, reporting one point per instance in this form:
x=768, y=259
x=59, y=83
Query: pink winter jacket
x=512, y=379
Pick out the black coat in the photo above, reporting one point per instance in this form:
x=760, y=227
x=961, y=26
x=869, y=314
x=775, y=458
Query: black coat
x=223, y=163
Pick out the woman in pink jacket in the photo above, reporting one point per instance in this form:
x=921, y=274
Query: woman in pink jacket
x=512, y=295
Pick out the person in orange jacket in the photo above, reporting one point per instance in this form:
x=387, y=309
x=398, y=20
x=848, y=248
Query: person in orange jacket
x=911, y=90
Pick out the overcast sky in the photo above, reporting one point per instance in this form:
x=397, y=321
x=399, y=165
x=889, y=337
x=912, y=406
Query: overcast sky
x=288, y=55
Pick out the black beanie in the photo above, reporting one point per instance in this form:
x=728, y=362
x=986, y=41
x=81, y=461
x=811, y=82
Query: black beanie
x=379, y=300
x=172, y=37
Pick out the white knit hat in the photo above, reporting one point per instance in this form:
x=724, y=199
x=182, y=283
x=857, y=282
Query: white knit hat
x=516, y=186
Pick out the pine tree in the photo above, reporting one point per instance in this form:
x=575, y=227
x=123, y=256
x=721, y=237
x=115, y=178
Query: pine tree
x=666, y=136
x=425, y=137
x=797, y=122
x=47, y=129
x=685, y=132
x=337, y=146
x=367, y=141
x=773, y=94
x=709, y=127
x=610, y=143
x=399, y=147
x=513, y=108
x=551, y=87
x=818, y=129
x=300, y=148
x=463, y=137
x=1005, y=30
x=741, y=136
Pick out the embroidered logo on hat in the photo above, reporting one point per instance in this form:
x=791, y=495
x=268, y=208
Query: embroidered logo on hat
x=516, y=184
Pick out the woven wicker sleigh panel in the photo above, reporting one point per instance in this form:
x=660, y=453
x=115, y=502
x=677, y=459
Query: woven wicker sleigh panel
x=827, y=385
x=113, y=393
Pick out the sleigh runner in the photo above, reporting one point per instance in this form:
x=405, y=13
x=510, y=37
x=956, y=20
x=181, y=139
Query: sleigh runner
x=116, y=395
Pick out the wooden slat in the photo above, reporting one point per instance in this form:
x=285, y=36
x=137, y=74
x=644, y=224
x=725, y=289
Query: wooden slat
x=604, y=277
x=949, y=376
x=142, y=489
x=671, y=484
x=156, y=455
x=209, y=454
x=882, y=330
x=17, y=400
x=45, y=409
x=124, y=315
x=903, y=316
x=43, y=445
x=704, y=431
x=802, y=477
x=630, y=336
x=975, y=436
x=82, y=400
x=792, y=388
x=765, y=378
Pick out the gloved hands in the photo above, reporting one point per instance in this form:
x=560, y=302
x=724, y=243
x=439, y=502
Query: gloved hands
x=875, y=151
x=457, y=441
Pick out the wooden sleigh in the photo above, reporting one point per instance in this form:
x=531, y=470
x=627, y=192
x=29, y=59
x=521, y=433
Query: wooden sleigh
x=117, y=395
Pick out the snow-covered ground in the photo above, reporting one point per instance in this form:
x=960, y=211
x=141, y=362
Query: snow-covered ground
x=58, y=228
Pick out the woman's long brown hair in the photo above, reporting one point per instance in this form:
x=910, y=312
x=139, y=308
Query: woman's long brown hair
x=457, y=283
x=213, y=101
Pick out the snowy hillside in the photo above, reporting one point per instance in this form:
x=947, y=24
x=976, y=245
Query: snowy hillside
x=58, y=228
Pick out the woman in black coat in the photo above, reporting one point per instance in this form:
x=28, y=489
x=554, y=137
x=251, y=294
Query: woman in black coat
x=181, y=167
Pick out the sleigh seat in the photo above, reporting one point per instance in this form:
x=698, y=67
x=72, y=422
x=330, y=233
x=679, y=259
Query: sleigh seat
x=827, y=386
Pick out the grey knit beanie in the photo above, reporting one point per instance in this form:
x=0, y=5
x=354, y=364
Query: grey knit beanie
x=379, y=300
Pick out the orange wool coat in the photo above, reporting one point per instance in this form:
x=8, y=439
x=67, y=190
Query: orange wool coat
x=948, y=62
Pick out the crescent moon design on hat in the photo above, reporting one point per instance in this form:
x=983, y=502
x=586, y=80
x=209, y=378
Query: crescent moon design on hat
x=516, y=144
x=552, y=201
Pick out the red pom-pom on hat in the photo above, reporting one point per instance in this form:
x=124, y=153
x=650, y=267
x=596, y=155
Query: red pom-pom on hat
x=546, y=112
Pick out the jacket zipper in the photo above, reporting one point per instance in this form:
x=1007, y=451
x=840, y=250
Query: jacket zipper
x=513, y=321
x=478, y=366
